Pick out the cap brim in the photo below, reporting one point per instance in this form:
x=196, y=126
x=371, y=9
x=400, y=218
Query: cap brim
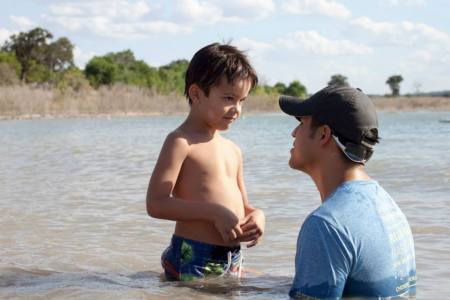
x=294, y=106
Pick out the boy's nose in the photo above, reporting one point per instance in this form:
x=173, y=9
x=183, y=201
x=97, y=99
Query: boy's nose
x=237, y=107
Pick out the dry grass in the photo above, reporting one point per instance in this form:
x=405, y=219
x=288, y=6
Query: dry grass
x=24, y=101
x=27, y=102
x=412, y=103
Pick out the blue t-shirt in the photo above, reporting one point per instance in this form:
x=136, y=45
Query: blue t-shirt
x=357, y=243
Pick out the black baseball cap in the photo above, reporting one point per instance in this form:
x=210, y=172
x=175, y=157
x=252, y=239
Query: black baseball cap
x=349, y=113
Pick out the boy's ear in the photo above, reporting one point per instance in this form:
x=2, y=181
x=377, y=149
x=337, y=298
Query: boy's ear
x=195, y=93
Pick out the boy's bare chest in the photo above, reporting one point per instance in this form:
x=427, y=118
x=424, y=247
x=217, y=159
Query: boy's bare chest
x=212, y=160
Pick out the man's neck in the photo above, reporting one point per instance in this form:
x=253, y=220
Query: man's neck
x=328, y=177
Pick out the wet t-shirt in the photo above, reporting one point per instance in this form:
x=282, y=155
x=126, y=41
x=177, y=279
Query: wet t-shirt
x=357, y=243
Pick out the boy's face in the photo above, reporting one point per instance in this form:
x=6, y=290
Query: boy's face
x=224, y=103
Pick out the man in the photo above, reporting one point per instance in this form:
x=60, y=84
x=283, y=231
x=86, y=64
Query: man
x=357, y=242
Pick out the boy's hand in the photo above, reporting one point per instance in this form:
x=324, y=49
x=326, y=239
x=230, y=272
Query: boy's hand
x=227, y=223
x=253, y=227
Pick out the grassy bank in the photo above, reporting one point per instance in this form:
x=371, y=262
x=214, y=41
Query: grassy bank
x=23, y=101
x=412, y=103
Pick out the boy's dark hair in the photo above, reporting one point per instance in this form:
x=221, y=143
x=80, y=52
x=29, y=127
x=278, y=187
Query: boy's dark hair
x=214, y=61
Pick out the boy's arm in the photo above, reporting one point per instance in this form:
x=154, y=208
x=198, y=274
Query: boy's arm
x=162, y=205
x=254, y=222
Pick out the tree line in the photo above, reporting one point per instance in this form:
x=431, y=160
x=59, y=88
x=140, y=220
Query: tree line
x=34, y=57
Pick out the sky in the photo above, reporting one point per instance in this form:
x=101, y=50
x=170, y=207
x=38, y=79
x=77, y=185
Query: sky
x=305, y=40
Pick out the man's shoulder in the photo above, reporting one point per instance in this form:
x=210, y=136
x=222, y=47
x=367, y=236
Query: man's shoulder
x=354, y=191
x=349, y=201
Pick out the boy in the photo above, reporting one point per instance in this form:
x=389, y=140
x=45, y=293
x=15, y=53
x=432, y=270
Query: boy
x=198, y=178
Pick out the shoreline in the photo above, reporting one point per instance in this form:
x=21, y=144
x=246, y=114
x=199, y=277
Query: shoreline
x=27, y=103
x=161, y=114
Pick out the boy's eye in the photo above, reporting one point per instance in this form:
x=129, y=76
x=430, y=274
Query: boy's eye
x=229, y=98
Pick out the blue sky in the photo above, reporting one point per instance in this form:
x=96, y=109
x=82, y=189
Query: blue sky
x=308, y=40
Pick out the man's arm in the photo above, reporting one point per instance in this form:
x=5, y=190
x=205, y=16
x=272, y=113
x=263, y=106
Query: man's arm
x=254, y=221
x=323, y=261
x=162, y=205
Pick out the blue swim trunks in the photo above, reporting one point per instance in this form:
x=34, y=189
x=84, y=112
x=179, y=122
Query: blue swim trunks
x=187, y=259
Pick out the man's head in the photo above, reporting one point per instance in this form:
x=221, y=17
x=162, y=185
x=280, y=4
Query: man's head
x=218, y=80
x=336, y=117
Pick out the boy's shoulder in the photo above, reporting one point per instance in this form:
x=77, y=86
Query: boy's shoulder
x=177, y=134
x=228, y=141
x=180, y=138
x=177, y=139
x=231, y=144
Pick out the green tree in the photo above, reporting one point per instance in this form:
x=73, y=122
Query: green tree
x=394, y=84
x=71, y=79
x=125, y=59
x=37, y=73
x=123, y=67
x=280, y=87
x=338, y=79
x=33, y=51
x=101, y=70
x=58, y=55
x=10, y=59
x=140, y=73
x=172, y=77
x=296, y=89
x=28, y=48
x=153, y=79
x=264, y=89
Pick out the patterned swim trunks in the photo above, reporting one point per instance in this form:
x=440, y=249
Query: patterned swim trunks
x=187, y=259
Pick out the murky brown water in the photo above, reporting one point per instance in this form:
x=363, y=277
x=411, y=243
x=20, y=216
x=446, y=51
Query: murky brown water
x=73, y=221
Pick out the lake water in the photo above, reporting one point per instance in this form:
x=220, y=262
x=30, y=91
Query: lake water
x=74, y=226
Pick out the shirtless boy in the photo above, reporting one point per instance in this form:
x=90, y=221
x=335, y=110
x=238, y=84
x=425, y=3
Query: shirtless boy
x=198, y=178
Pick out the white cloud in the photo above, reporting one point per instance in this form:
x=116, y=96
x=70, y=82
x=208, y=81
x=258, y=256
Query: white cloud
x=405, y=2
x=115, y=19
x=66, y=9
x=404, y=33
x=4, y=35
x=253, y=9
x=121, y=19
x=105, y=27
x=22, y=22
x=248, y=44
x=424, y=49
x=120, y=9
x=328, y=8
x=81, y=58
x=257, y=50
x=194, y=11
x=313, y=42
x=211, y=12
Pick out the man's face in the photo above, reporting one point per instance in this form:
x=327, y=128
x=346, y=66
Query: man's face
x=224, y=103
x=305, y=148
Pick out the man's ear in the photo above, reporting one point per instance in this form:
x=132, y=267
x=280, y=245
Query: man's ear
x=195, y=93
x=325, y=134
